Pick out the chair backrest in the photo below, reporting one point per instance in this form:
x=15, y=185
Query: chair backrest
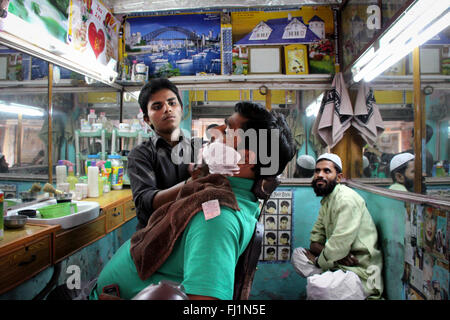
x=246, y=266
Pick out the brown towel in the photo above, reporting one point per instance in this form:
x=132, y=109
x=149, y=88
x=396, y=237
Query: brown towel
x=367, y=119
x=335, y=114
x=152, y=245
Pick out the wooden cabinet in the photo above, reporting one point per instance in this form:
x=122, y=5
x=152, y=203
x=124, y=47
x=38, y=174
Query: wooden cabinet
x=69, y=241
x=129, y=210
x=26, y=252
x=22, y=257
x=114, y=217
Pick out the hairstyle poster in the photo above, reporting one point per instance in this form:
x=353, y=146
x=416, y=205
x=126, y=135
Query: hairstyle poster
x=277, y=219
x=426, y=270
x=176, y=45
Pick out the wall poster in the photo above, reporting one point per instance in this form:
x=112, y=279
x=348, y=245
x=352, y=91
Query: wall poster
x=183, y=44
x=426, y=269
x=277, y=218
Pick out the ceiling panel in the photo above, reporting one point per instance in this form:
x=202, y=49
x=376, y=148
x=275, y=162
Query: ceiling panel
x=135, y=6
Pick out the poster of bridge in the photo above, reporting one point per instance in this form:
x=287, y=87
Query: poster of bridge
x=185, y=44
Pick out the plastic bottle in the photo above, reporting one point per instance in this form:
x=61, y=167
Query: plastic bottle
x=61, y=172
x=71, y=179
x=90, y=158
x=108, y=174
x=103, y=180
x=117, y=172
x=106, y=124
x=91, y=117
x=93, y=181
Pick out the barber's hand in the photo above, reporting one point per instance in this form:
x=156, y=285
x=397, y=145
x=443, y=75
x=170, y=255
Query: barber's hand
x=197, y=171
x=310, y=256
x=349, y=260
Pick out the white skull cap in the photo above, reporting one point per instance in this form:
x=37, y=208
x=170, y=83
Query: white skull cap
x=400, y=160
x=365, y=162
x=306, y=161
x=331, y=157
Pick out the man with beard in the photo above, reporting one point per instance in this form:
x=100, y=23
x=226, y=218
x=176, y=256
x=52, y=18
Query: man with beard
x=343, y=261
x=402, y=172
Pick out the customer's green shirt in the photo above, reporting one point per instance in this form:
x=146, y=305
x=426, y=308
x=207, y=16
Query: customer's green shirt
x=344, y=225
x=204, y=256
x=397, y=186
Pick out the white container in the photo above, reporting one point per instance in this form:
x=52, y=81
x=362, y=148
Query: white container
x=97, y=126
x=93, y=182
x=91, y=117
x=61, y=174
x=85, y=190
x=64, y=186
x=79, y=191
x=124, y=127
x=85, y=126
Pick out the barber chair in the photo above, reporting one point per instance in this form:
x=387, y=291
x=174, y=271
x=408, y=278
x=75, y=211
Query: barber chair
x=246, y=266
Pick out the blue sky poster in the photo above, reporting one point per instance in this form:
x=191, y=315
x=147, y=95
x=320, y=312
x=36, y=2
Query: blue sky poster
x=188, y=44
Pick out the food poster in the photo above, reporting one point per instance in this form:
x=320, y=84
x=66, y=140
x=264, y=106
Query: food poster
x=426, y=269
x=93, y=30
x=183, y=44
x=313, y=26
x=277, y=219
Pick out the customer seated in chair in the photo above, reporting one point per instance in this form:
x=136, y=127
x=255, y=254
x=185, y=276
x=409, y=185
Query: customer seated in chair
x=343, y=261
x=202, y=256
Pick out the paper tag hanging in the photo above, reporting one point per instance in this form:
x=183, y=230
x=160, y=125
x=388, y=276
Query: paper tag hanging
x=211, y=209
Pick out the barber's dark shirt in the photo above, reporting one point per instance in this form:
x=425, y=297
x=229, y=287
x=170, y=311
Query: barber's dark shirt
x=151, y=169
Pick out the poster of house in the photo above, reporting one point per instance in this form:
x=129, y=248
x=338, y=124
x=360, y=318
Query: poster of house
x=184, y=44
x=313, y=26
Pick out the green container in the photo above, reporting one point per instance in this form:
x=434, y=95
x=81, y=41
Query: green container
x=58, y=210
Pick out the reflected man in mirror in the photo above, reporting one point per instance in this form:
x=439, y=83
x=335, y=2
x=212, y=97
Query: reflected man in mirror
x=343, y=262
x=3, y=163
x=402, y=172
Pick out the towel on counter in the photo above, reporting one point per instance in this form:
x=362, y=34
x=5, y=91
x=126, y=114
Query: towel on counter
x=367, y=119
x=335, y=114
x=152, y=245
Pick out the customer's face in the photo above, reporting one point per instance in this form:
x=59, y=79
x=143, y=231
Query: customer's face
x=232, y=123
x=325, y=178
x=164, y=111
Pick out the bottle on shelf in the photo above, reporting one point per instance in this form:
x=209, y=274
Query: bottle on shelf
x=91, y=117
x=106, y=124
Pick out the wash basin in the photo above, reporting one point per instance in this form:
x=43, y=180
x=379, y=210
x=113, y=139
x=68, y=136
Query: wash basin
x=87, y=211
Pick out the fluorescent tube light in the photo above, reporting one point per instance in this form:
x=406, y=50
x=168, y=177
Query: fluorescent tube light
x=420, y=22
x=16, y=108
x=15, y=33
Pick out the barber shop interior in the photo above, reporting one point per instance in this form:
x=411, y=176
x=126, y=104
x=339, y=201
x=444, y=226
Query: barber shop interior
x=224, y=150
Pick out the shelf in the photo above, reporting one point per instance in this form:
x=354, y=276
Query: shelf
x=253, y=81
x=437, y=81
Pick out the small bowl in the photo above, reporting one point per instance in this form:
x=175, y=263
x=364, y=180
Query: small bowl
x=30, y=213
x=15, y=222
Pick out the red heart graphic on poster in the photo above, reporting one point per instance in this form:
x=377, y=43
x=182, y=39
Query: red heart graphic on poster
x=96, y=39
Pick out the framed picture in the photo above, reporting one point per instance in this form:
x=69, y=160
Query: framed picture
x=296, y=59
x=265, y=59
x=430, y=61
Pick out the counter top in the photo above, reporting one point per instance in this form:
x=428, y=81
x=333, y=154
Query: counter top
x=112, y=198
x=14, y=237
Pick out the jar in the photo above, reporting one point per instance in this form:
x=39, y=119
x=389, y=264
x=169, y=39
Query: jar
x=116, y=171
